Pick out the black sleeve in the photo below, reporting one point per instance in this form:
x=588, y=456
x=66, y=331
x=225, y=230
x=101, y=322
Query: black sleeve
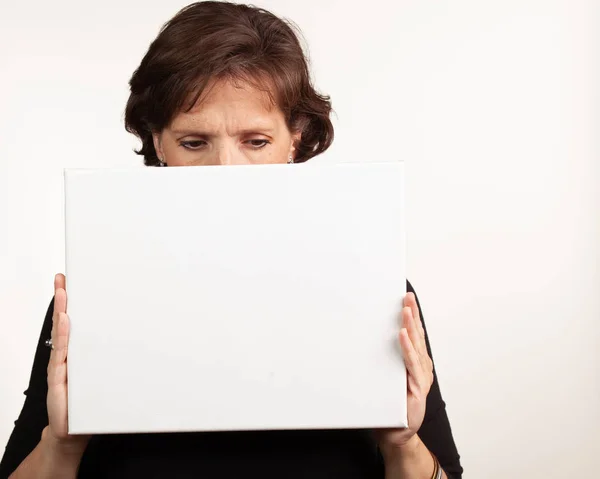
x=435, y=432
x=34, y=416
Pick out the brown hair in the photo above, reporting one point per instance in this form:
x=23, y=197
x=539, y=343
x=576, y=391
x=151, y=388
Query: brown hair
x=217, y=40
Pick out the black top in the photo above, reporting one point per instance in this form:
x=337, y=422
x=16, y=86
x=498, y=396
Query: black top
x=344, y=454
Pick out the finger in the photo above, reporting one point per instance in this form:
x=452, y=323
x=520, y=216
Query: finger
x=60, y=294
x=60, y=297
x=409, y=323
x=57, y=375
x=62, y=338
x=412, y=385
x=426, y=361
x=413, y=365
x=59, y=281
x=60, y=306
x=60, y=302
x=419, y=344
x=57, y=370
x=410, y=300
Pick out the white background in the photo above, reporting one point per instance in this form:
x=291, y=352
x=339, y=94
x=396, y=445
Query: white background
x=495, y=108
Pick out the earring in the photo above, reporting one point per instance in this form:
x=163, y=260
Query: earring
x=161, y=162
x=290, y=159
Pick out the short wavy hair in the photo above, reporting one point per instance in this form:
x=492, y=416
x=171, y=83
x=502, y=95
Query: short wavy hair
x=220, y=40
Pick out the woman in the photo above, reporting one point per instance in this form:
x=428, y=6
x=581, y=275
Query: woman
x=227, y=84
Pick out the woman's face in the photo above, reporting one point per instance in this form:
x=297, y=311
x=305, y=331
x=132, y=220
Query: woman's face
x=232, y=124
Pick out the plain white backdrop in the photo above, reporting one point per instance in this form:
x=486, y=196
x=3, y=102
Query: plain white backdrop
x=495, y=108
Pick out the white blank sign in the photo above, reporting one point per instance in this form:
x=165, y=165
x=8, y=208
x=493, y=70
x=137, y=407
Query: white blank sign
x=235, y=297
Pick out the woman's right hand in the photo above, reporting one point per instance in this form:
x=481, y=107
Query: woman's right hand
x=57, y=430
x=58, y=454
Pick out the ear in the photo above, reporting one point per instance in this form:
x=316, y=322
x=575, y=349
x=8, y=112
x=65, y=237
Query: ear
x=296, y=136
x=157, y=140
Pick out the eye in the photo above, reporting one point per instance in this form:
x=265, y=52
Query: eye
x=257, y=143
x=193, y=144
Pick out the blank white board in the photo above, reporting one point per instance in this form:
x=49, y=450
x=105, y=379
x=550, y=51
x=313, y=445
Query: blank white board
x=256, y=297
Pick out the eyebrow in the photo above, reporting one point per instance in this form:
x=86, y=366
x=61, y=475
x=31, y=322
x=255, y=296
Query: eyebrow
x=244, y=131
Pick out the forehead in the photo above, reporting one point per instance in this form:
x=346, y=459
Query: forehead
x=231, y=102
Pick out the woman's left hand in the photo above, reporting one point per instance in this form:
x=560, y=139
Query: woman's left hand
x=419, y=379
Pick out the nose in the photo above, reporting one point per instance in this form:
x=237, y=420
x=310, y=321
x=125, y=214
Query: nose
x=229, y=154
